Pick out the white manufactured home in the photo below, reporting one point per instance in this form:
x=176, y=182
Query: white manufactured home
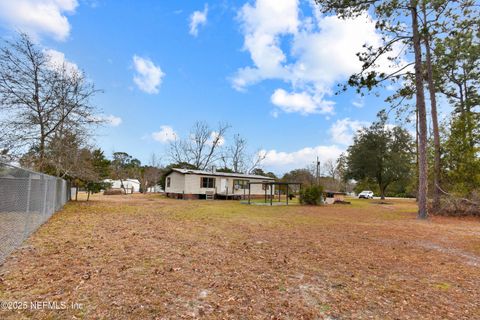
x=130, y=185
x=198, y=184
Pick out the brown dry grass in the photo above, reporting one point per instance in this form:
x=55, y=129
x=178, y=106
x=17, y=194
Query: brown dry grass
x=146, y=257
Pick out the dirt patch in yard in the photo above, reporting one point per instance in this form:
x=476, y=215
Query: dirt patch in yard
x=146, y=257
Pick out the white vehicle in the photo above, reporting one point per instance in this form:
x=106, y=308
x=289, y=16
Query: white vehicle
x=365, y=195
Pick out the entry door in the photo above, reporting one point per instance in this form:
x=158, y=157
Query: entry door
x=223, y=185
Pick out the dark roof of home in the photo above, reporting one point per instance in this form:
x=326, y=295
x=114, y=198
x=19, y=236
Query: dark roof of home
x=220, y=174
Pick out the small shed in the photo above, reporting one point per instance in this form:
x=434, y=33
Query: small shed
x=331, y=196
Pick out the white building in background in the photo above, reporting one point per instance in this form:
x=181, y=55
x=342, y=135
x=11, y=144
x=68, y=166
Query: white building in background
x=130, y=185
x=155, y=189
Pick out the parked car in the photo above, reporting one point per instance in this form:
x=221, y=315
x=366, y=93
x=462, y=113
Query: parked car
x=365, y=195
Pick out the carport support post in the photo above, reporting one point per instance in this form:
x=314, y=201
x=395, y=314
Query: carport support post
x=271, y=194
x=249, y=185
x=287, y=194
x=265, y=185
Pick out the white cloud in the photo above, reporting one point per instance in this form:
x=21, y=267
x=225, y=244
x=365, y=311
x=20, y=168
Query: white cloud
x=198, y=18
x=329, y=54
x=166, y=134
x=38, y=17
x=57, y=59
x=311, y=53
x=148, y=77
x=301, y=102
x=112, y=120
x=262, y=25
x=281, y=162
x=342, y=131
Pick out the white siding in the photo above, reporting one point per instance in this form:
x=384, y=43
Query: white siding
x=177, y=183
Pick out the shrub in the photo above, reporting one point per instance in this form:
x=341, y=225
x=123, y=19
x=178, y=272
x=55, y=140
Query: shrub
x=311, y=195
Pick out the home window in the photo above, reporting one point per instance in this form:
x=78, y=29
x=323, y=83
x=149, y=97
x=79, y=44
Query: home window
x=207, y=182
x=168, y=182
x=265, y=186
x=240, y=184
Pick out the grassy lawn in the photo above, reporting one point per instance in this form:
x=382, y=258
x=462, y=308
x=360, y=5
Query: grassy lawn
x=147, y=257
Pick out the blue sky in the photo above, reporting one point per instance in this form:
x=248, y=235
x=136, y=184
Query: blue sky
x=269, y=68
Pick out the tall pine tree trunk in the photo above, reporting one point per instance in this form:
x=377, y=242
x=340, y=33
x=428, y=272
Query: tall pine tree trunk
x=422, y=115
x=416, y=154
x=433, y=106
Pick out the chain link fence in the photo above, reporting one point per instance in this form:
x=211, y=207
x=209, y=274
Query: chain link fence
x=27, y=200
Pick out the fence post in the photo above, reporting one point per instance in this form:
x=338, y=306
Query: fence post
x=64, y=192
x=27, y=218
x=29, y=192
x=55, y=196
x=45, y=193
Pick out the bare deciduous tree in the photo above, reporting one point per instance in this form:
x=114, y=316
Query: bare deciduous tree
x=201, y=147
x=235, y=155
x=330, y=169
x=39, y=98
x=257, y=160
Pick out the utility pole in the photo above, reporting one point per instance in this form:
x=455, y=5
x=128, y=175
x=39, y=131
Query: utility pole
x=318, y=171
